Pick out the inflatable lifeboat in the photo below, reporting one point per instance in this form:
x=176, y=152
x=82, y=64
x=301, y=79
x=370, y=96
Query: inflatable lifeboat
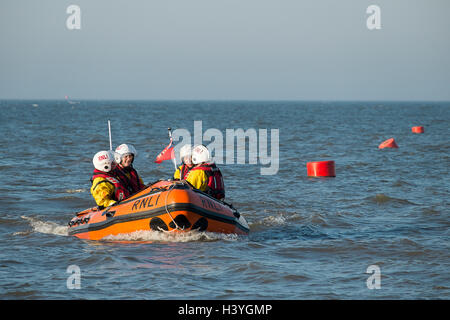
x=163, y=206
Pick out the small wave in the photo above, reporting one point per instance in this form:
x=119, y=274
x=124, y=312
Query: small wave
x=401, y=183
x=278, y=220
x=64, y=198
x=441, y=288
x=295, y=277
x=5, y=167
x=381, y=198
x=46, y=227
x=430, y=210
x=75, y=190
x=384, y=199
x=21, y=233
x=190, y=236
x=157, y=236
x=318, y=219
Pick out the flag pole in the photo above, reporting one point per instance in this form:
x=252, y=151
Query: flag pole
x=175, y=158
x=110, y=139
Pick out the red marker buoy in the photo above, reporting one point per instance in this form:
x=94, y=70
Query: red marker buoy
x=389, y=143
x=321, y=169
x=418, y=129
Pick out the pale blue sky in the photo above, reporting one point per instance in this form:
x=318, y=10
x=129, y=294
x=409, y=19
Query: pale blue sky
x=225, y=49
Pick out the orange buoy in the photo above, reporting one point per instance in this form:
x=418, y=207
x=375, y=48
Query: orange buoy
x=418, y=129
x=321, y=169
x=389, y=143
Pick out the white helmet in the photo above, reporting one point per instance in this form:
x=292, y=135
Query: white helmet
x=104, y=160
x=200, y=154
x=185, y=151
x=123, y=150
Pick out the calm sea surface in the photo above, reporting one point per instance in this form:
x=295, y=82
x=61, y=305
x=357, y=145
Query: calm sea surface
x=310, y=238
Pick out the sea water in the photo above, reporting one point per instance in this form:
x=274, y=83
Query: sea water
x=310, y=238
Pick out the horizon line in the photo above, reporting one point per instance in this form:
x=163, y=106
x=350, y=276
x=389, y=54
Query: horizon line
x=219, y=100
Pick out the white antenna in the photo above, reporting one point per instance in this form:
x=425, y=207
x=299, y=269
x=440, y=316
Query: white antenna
x=174, y=160
x=110, y=139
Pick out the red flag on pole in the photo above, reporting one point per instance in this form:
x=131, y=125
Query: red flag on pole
x=167, y=154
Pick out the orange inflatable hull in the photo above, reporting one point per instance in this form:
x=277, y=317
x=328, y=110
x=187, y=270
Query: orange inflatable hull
x=163, y=206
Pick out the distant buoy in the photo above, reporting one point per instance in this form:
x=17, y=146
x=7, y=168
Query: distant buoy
x=389, y=143
x=321, y=169
x=418, y=129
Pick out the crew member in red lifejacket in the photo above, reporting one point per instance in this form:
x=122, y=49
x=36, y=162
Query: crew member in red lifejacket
x=186, y=163
x=125, y=154
x=107, y=189
x=206, y=176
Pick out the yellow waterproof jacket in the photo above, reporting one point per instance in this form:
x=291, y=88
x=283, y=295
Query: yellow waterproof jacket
x=177, y=174
x=198, y=179
x=103, y=192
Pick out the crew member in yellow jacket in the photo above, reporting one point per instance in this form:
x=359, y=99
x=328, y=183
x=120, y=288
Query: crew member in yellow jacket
x=186, y=163
x=106, y=187
x=205, y=176
x=198, y=179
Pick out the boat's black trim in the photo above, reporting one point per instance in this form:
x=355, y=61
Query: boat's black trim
x=153, y=213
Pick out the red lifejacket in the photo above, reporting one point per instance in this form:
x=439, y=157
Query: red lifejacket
x=216, y=187
x=120, y=192
x=133, y=184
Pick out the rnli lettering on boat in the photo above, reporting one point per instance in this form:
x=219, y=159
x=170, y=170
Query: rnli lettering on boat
x=145, y=203
x=210, y=204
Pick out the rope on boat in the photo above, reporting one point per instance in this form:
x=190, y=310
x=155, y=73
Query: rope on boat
x=167, y=210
